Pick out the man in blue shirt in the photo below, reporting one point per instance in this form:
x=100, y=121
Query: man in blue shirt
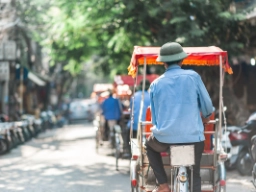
x=177, y=99
x=112, y=112
x=136, y=109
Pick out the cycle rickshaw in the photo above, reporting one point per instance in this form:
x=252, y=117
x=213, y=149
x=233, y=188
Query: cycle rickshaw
x=212, y=168
x=123, y=84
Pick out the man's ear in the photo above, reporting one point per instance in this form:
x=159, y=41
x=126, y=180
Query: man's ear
x=165, y=66
x=180, y=63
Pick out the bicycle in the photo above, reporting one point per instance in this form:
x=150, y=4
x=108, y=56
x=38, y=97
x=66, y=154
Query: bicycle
x=181, y=157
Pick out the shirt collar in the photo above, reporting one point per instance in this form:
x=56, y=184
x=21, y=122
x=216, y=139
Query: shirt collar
x=173, y=66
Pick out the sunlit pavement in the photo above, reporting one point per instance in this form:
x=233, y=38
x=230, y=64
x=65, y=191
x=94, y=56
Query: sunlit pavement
x=64, y=160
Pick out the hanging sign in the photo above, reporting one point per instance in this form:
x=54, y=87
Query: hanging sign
x=4, y=71
x=8, y=50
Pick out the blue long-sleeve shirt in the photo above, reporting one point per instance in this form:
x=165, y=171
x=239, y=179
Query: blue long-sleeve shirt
x=137, y=99
x=177, y=98
x=111, y=109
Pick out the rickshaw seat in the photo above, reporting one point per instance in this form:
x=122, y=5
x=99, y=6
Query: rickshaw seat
x=208, y=137
x=208, y=128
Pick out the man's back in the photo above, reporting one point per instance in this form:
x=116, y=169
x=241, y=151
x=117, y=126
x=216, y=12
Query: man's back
x=111, y=109
x=177, y=98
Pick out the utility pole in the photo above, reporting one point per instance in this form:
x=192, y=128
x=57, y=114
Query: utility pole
x=21, y=89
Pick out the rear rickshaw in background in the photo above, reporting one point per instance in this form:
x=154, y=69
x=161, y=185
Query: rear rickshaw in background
x=212, y=169
x=100, y=93
x=123, y=86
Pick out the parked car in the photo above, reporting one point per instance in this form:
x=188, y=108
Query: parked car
x=80, y=109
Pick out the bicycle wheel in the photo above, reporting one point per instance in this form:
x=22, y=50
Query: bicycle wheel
x=97, y=139
x=118, y=149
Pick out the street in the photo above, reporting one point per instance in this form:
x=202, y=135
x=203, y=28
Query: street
x=65, y=160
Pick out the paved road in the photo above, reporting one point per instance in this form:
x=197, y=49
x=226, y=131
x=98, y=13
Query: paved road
x=64, y=160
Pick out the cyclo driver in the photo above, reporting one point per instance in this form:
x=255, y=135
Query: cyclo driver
x=177, y=97
x=112, y=111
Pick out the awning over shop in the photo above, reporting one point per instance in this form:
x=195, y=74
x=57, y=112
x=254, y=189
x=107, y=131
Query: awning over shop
x=36, y=79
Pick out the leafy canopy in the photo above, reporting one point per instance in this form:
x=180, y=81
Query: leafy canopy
x=106, y=31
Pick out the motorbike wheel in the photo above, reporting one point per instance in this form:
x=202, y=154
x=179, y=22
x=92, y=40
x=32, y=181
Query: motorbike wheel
x=3, y=146
x=15, y=139
x=26, y=134
x=20, y=136
x=244, y=163
x=97, y=139
x=118, y=151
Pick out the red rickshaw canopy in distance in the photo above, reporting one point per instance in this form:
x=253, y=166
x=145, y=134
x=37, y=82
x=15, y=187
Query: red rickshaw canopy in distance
x=128, y=80
x=197, y=56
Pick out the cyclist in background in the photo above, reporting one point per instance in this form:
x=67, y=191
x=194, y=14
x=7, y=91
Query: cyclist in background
x=112, y=112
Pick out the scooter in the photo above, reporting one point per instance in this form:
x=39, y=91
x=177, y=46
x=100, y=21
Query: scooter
x=253, y=153
x=242, y=140
x=232, y=151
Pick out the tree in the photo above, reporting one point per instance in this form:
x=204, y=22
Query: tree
x=108, y=30
x=111, y=28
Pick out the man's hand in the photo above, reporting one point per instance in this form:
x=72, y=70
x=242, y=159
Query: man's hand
x=205, y=120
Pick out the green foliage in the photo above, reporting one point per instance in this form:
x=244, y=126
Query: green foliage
x=106, y=31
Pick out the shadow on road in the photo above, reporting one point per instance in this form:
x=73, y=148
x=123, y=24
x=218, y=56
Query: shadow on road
x=56, y=178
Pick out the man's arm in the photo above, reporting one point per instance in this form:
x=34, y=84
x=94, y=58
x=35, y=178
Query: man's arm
x=205, y=102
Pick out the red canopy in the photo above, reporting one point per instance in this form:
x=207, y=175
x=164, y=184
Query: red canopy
x=200, y=56
x=128, y=80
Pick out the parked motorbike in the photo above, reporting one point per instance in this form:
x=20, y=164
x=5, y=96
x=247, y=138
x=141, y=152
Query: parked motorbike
x=5, y=139
x=49, y=119
x=232, y=151
x=241, y=139
x=253, y=153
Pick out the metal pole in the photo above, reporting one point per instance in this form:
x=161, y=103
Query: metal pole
x=192, y=178
x=132, y=112
x=21, y=89
x=172, y=187
x=6, y=96
x=220, y=99
x=143, y=88
x=141, y=111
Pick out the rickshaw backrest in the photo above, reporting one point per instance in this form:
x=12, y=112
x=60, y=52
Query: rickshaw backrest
x=208, y=137
x=147, y=128
x=208, y=127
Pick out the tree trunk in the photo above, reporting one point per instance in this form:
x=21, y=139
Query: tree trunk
x=237, y=111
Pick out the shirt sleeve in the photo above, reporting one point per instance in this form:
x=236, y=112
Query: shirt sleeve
x=205, y=102
x=153, y=116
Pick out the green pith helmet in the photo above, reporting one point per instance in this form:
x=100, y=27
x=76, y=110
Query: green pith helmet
x=170, y=52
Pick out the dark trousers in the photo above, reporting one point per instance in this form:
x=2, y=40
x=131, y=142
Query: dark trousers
x=154, y=148
x=106, y=130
